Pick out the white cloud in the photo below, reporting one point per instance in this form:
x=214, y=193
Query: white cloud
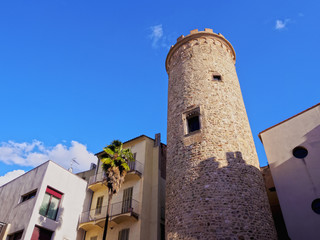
x=157, y=37
x=281, y=24
x=35, y=153
x=10, y=176
x=156, y=34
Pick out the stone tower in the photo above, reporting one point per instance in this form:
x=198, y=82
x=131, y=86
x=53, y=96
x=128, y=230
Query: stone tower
x=214, y=187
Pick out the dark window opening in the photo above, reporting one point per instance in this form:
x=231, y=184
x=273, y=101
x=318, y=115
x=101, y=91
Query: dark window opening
x=15, y=236
x=193, y=123
x=162, y=232
x=300, y=152
x=316, y=205
x=272, y=189
x=191, y=120
x=40, y=233
x=217, y=77
x=28, y=196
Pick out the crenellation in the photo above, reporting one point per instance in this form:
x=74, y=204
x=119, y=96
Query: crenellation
x=194, y=31
x=207, y=37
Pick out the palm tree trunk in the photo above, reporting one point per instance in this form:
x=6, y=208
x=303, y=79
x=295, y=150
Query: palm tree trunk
x=107, y=217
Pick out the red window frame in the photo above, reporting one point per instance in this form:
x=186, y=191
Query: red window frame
x=52, y=192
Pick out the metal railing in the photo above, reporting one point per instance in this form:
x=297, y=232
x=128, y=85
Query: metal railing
x=135, y=166
x=129, y=206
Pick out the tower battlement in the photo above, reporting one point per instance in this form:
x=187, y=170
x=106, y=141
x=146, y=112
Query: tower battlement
x=207, y=36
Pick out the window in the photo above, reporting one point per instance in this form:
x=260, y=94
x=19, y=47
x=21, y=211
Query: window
x=50, y=204
x=2, y=226
x=28, y=196
x=193, y=123
x=192, y=120
x=272, y=189
x=99, y=205
x=300, y=152
x=15, y=236
x=316, y=205
x=94, y=238
x=124, y=234
x=127, y=200
x=162, y=232
x=216, y=77
x=40, y=233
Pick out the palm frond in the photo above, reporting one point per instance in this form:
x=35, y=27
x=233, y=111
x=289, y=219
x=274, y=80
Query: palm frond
x=109, y=151
x=106, y=160
x=115, y=165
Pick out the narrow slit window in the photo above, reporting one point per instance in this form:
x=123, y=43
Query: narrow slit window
x=217, y=77
x=28, y=196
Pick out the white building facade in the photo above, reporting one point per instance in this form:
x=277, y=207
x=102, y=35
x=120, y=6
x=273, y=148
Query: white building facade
x=293, y=150
x=44, y=203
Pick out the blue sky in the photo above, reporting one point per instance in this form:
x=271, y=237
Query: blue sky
x=74, y=75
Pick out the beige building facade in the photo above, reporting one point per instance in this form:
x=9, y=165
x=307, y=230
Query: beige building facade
x=214, y=187
x=137, y=211
x=42, y=204
x=293, y=150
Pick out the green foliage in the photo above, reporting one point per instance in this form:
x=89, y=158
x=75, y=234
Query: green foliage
x=115, y=164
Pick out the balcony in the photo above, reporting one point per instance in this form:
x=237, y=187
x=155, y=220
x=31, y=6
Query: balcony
x=136, y=169
x=119, y=212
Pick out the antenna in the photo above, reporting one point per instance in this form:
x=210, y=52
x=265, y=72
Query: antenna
x=73, y=160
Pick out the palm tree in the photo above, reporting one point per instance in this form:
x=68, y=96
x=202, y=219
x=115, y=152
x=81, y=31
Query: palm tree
x=115, y=165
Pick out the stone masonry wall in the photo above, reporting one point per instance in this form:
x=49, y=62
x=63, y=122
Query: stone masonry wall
x=214, y=187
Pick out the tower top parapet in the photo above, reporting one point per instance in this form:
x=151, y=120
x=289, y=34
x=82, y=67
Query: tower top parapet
x=207, y=33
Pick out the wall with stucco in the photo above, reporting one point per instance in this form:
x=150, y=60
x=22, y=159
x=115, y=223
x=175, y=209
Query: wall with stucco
x=145, y=191
x=296, y=180
x=26, y=215
x=12, y=210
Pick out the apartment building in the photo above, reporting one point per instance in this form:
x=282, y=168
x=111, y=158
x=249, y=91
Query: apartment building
x=137, y=211
x=42, y=204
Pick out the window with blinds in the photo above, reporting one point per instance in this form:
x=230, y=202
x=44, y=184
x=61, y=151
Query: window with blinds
x=124, y=234
x=127, y=200
x=99, y=205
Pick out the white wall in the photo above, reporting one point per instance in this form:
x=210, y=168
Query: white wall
x=26, y=215
x=297, y=181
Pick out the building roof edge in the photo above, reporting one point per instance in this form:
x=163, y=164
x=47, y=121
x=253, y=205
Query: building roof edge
x=259, y=135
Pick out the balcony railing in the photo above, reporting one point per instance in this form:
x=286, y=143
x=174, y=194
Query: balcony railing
x=131, y=207
x=135, y=166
